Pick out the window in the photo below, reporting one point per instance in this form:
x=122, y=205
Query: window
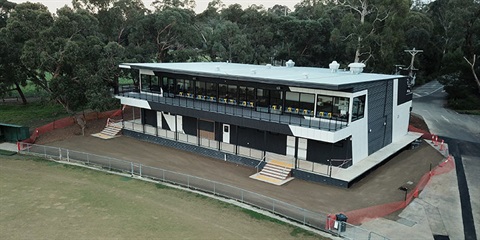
x=246, y=96
x=340, y=108
x=324, y=106
x=150, y=83
x=188, y=88
x=292, y=102
x=232, y=94
x=222, y=93
x=276, y=101
x=262, y=100
x=200, y=90
x=358, y=107
x=333, y=107
x=307, y=102
x=180, y=90
x=211, y=89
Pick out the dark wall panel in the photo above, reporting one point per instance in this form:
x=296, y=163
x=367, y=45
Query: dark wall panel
x=189, y=125
x=276, y=143
x=251, y=138
x=206, y=125
x=219, y=132
x=404, y=91
x=380, y=102
x=149, y=117
x=165, y=125
x=321, y=152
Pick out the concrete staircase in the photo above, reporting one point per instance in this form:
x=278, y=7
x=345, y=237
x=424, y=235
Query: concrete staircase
x=110, y=131
x=275, y=172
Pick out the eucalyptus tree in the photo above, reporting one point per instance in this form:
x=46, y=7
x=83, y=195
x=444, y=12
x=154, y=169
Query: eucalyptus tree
x=369, y=28
x=26, y=21
x=456, y=31
x=259, y=28
x=157, y=35
x=279, y=10
x=165, y=4
x=5, y=8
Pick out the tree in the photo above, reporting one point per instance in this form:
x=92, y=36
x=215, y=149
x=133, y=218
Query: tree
x=472, y=67
x=68, y=51
x=279, y=10
x=26, y=21
x=165, y=4
x=5, y=8
x=363, y=23
x=157, y=34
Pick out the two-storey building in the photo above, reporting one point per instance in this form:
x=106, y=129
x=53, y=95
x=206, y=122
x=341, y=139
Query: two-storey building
x=313, y=117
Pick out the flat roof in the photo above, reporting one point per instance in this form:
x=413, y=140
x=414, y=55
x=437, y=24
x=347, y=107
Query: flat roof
x=291, y=76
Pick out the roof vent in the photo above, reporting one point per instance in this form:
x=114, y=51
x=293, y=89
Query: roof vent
x=305, y=75
x=334, y=65
x=356, y=68
x=254, y=71
x=217, y=68
x=269, y=66
x=290, y=63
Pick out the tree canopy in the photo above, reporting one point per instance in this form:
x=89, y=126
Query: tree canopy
x=73, y=54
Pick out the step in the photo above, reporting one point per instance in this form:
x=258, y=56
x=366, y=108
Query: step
x=272, y=175
x=276, y=168
x=278, y=173
x=280, y=163
x=267, y=179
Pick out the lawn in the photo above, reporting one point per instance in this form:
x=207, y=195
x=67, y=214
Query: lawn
x=33, y=114
x=42, y=199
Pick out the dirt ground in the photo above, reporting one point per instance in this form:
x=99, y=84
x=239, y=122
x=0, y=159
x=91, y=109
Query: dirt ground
x=378, y=187
x=46, y=200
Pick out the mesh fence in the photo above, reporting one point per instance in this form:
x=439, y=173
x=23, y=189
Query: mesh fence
x=303, y=216
x=69, y=121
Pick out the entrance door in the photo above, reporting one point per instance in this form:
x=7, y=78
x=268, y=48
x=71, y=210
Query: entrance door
x=226, y=133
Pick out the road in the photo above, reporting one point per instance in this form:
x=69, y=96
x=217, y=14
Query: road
x=462, y=134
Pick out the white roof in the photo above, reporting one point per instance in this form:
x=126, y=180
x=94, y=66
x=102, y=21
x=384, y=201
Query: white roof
x=292, y=76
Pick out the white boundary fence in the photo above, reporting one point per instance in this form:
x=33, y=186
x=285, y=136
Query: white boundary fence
x=303, y=216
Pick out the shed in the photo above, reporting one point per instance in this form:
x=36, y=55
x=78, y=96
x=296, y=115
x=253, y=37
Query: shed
x=13, y=133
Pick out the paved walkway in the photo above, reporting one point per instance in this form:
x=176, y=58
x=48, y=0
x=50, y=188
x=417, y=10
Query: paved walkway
x=8, y=146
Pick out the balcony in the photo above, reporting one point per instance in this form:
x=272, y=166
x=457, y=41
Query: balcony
x=269, y=114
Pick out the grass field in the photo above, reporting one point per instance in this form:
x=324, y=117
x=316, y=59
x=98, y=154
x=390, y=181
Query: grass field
x=34, y=114
x=42, y=199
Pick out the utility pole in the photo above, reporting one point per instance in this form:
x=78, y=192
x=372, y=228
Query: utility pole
x=412, y=52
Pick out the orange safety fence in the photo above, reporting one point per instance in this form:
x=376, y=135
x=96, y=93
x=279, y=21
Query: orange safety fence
x=69, y=121
x=426, y=135
x=365, y=214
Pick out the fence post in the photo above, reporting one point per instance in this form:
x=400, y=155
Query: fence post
x=304, y=217
x=131, y=168
x=59, y=154
x=44, y=151
x=140, y=170
x=68, y=156
x=88, y=158
x=214, y=185
x=242, y=196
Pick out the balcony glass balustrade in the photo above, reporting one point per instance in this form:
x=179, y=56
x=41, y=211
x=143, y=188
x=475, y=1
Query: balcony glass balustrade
x=247, y=110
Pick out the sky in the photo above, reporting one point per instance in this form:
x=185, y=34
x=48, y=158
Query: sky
x=201, y=4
